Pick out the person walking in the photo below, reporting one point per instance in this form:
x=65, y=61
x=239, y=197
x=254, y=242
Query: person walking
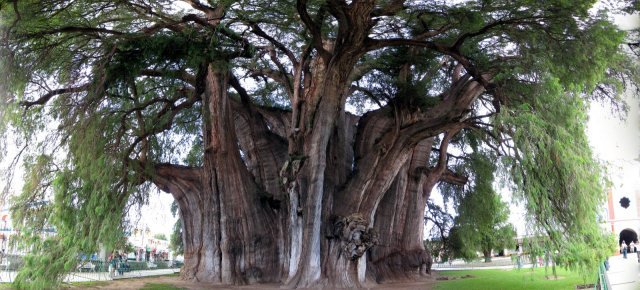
x=624, y=249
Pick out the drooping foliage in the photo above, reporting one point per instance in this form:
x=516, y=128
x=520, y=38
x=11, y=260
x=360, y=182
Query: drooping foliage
x=238, y=109
x=555, y=173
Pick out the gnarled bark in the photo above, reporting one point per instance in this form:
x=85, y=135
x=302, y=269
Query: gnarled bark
x=319, y=197
x=229, y=228
x=402, y=254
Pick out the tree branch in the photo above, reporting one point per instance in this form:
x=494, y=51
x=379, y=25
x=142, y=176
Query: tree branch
x=46, y=97
x=456, y=46
x=451, y=177
x=314, y=28
x=208, y=10
x=178, y=74
x=71, y=29
x=259, y=32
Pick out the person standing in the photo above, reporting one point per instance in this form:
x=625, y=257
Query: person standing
x=112, y=260
x=140, y=254
x=624, y=249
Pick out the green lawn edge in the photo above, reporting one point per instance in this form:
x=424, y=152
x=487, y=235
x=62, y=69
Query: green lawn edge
x=506, y=279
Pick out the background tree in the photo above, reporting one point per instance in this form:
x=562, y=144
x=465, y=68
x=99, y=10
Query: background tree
x=175, y=242
x=441, y=222
x=160, y=236
x=482, y=221
x=238, y=110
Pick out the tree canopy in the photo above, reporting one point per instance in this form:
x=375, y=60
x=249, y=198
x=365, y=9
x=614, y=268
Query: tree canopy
x=247, y=101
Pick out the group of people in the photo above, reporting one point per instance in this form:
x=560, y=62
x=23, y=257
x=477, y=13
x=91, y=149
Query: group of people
x=117, y=263
x=631, y=248
x=148, y=254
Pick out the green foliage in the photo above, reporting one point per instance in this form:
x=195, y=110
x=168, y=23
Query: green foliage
x=440, y=242
x=128, y=248
x=481, y=224
x=554, y=172
x=160, y=237
x=81, y=205
x=175, y=242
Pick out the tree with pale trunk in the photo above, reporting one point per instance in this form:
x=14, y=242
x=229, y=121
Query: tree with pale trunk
x=300, y=139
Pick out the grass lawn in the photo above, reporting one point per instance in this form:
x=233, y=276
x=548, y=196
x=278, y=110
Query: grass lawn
x=510, y=279
x=85, y=284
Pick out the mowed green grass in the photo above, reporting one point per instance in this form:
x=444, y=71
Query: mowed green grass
x=502, y=279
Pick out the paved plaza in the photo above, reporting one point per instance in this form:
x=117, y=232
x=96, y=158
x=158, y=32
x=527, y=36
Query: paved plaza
x=624, y=274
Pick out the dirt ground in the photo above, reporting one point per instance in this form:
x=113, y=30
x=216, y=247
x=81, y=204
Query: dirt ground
x=138, y=283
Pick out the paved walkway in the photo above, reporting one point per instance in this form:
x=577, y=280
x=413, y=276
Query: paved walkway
x=624, y=274
x=496, y=263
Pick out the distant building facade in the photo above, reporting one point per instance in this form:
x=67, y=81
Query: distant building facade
x=623, y=204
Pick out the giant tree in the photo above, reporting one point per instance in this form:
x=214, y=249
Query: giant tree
x=238, y=109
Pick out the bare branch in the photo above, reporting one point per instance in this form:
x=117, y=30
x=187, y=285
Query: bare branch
x=46, y=97
x=456, y=46
x=71, y=29
x=451, y=177
x=258, y=31
x=182, y=75
x=203, y=7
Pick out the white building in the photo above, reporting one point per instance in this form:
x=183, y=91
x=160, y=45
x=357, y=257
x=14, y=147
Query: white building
x=143, y=241
x=624, y=222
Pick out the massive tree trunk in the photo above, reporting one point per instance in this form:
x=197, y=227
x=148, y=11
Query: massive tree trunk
x=314, y=196
x=230, y=229
x=344, y=207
